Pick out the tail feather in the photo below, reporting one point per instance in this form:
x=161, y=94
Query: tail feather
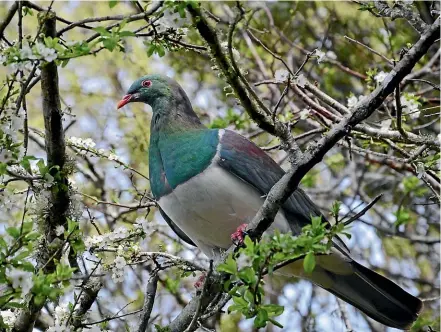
x=370, y=292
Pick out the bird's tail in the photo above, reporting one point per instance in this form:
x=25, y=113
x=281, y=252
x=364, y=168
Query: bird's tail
x=370, y=292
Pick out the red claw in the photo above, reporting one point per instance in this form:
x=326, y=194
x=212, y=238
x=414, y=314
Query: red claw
x=200, y=282
x=238, y=236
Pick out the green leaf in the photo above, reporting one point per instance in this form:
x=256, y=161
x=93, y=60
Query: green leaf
x=229, y=266
x=261, y=318
x=316, y=221
x=309, y=263
x=160, y=50
x=113, y=3
x=3, y=243
x=248, y=275
x=102, y=31
x=127, y=34
x=110, y=44
x=14, y=305
x=273, y=309
x=276, y=323
x=13, y=231
x=42, y=167
x=151, y=50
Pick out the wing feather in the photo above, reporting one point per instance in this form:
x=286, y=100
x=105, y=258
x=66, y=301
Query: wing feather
x=248, y=162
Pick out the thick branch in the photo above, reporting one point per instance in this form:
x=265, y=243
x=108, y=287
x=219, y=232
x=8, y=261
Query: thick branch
x=8, y=18
x=400, y=10
x=149, y=300
x=54, y=139
x=88, y=296
x=55, y=150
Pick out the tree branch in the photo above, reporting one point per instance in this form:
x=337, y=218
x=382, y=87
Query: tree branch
x=55, y=150
x=289, y=182
x=8, y=18
x=149, y=300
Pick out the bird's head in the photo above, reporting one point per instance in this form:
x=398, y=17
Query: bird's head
x=169, y=102
x=148, y=89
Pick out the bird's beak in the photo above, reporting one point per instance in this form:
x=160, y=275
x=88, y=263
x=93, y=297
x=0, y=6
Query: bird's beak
x=126, y=99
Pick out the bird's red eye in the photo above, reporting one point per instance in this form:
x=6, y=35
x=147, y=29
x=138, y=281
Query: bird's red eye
x=146, y=83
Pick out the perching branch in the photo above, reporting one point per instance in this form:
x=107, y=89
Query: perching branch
x=149, y=300
x=289, y=182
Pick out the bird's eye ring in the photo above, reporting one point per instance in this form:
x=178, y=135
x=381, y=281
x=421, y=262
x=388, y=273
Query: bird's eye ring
x=146, y=83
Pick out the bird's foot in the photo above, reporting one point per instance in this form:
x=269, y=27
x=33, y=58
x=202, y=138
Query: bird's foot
x=200, y=282
x=238, y=236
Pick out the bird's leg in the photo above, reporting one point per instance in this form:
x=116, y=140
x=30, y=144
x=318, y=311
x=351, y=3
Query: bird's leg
x=238, y=236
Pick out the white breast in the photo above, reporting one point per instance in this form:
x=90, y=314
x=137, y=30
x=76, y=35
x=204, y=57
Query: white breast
x=210, y=206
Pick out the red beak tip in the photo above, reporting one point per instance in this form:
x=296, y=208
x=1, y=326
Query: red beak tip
x=124, y=101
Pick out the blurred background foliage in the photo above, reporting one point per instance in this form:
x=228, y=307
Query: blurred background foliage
x=399, y=237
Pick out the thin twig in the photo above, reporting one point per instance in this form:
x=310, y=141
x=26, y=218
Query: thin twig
x=389, y=61
x=363, y=211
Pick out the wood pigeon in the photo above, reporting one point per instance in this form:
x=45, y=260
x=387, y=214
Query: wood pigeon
x=208, y=182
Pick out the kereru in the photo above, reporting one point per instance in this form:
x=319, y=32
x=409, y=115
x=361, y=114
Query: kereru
x=208, y=182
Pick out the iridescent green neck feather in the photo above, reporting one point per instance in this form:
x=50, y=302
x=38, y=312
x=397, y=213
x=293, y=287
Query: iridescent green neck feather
x=180, y=146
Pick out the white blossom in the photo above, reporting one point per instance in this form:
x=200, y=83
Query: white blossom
x=87, y=143
x=243, y=261
x=331, y=55
x=301, y=80
x=59, y=328
x=48, y=54
x=281, y=75
x=320, y=56
x=142, y=223
x=119, y=233
x=173, y=19
x=118, y=275
x=410, y=105
x=352, y=101
x=21, y=280
x=304, y=113
x=136, y=248
x=62, y=313
x=379, y=78
x=95, y=241
x=72, y=182
x=114, y=157
x=26, y=52
x=420, y=170
x=8, y=316
x=71, y=43
x=59, y=230
x=5, y=155
x=25, y=66
x=120, y=262
x=3, y=59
